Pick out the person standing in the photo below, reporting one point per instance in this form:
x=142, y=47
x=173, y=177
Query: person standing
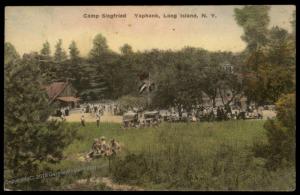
x=219, y=114
x=260, y=112
x=82, y=121
x=67, y=111
x=98, y=119
x=63, y=118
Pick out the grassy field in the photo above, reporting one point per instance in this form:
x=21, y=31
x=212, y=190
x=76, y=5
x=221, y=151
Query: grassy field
x=204, y=135
x=179, y=156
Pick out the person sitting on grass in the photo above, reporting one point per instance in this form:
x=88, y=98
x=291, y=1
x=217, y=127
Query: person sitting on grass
x=96, y=146
x=95, y=149
x=103, y=146
x=115, y=146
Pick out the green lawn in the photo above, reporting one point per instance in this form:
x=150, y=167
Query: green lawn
x=204, y=135
x=181, y=156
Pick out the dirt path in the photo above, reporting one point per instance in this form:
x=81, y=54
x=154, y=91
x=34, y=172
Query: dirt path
x=268, y=114
x=109, y=183
x=75, y=117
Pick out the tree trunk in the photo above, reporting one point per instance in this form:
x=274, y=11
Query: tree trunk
x=179, y=111
x=214, y=102
x=222, y=98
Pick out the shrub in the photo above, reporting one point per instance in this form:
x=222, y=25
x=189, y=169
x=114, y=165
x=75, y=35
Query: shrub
x=130, y=169
x=280, y=149
x=129, y=102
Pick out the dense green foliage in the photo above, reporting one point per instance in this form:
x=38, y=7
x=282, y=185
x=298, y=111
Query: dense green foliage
x=269, y=74
x=30, y=141
x=281, y=146
x=128, y=102
x=180, y=77
x=262, y=72
x=269, y=64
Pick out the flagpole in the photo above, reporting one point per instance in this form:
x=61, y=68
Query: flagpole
x=148, y=88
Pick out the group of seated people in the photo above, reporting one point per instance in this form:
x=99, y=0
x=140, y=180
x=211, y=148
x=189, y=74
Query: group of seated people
x=101, y=148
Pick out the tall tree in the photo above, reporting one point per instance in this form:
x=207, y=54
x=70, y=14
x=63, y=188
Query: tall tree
x=280, y=48
x=11, y=56
x=102, y=67
x=59, y=55
x=73, y=51
x=99, y=47
x=268, y=68
x=93, y=85
x=46, y=65
x=128, y=71
x=126, y=49
x=27, y=132
x=254, y=19
x=177, y=79
x=45, y=51
x=74, y=66
x=61, y=67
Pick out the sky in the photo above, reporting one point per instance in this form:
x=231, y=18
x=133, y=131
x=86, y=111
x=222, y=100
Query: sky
x=28, y=27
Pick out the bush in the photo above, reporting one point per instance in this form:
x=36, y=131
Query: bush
x=280, y=149
x=286, y=112
x=130, y=169
x=128, y=102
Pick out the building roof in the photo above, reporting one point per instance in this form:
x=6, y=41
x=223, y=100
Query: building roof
x=54, y=89
x=68, y=99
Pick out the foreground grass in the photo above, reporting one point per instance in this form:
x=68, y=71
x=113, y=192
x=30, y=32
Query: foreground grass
x=180, y=156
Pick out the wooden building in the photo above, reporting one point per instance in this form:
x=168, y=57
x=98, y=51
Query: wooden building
x=63, y=93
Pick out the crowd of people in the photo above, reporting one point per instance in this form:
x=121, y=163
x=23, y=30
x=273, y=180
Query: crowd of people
x=218, y=113
x=63, y=112
x=227, y=113
x=99, y=108
x=201, y=113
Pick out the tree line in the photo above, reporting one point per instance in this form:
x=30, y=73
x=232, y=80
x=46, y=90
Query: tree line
x=262, y=72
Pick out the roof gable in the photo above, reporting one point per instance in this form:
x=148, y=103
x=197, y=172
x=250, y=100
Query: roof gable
x=56, y=88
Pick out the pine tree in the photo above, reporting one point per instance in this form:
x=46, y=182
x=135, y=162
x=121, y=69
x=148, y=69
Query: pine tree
x=74, y=52
x=74, y=65
x=11, y=56
x=46, y=65
x=93, y=82
x=60, y=68
x=95, y=69
x=27, y=132
x=45, y=51
x=99, y=47
x=59, y=55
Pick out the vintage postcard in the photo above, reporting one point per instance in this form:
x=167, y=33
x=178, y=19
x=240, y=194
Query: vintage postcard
x=150, y=98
